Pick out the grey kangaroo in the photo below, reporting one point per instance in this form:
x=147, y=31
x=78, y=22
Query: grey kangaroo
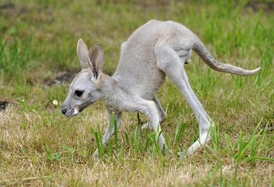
x=155, y=50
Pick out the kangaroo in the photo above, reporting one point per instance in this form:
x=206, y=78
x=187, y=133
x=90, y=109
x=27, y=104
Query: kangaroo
x=155, y=50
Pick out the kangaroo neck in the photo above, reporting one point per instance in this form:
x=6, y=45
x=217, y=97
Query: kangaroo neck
x=108, y=87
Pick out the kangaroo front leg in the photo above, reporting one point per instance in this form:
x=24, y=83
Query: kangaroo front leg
x=161, y=113
x=110, y=130
x=149, y=108
x=151, y=111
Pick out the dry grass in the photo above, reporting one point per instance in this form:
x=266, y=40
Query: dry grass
x=40, y=147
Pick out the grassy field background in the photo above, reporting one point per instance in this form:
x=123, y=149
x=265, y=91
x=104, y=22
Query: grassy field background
x=41, y=147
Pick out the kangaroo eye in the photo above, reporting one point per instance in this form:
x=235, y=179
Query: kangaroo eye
x=78, y=93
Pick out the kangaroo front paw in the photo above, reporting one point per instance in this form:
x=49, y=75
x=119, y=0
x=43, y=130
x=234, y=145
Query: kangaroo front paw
x=146, y=126
x=96, y=154
x=165, y=150
x=182, y=154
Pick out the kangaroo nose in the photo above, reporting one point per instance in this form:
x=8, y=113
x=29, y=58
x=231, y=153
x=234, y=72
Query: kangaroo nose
x=64, y=111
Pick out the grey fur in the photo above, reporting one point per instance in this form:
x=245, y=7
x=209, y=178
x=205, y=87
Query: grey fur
x=155, y=50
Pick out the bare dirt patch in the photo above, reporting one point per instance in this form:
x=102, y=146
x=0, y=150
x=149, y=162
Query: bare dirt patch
x=258, y=5
x=3, y=105
x=64, y=77
x=10, y=9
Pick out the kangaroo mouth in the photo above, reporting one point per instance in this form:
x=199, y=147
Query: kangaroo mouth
x=73, y=111
x=82, y=106
x=69, y=112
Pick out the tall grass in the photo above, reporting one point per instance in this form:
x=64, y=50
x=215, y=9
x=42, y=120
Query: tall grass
x=40, y=147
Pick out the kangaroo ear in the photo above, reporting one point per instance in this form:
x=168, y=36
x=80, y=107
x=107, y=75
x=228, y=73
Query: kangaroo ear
x=96, y=57
x=82, y=52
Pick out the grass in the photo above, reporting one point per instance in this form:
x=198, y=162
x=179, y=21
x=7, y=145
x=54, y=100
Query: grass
x=40, y=147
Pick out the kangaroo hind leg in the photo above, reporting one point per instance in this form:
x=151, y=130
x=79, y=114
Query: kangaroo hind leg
x=170, y=63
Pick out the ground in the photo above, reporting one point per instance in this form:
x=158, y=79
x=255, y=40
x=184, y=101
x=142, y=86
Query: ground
x=41, y=147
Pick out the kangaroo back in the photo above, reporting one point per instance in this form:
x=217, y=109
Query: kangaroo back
x=202, y=51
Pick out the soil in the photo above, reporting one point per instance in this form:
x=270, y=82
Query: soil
x=268, y=126
x=258, y=5
x=65, y=77
x=3, y=105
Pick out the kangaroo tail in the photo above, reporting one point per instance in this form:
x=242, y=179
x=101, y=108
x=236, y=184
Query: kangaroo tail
x=202, y=51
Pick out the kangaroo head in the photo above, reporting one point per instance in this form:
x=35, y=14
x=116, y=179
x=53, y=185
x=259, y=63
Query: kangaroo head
x=85, y=87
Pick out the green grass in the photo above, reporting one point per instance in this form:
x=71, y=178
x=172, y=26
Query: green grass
x=41, y=147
